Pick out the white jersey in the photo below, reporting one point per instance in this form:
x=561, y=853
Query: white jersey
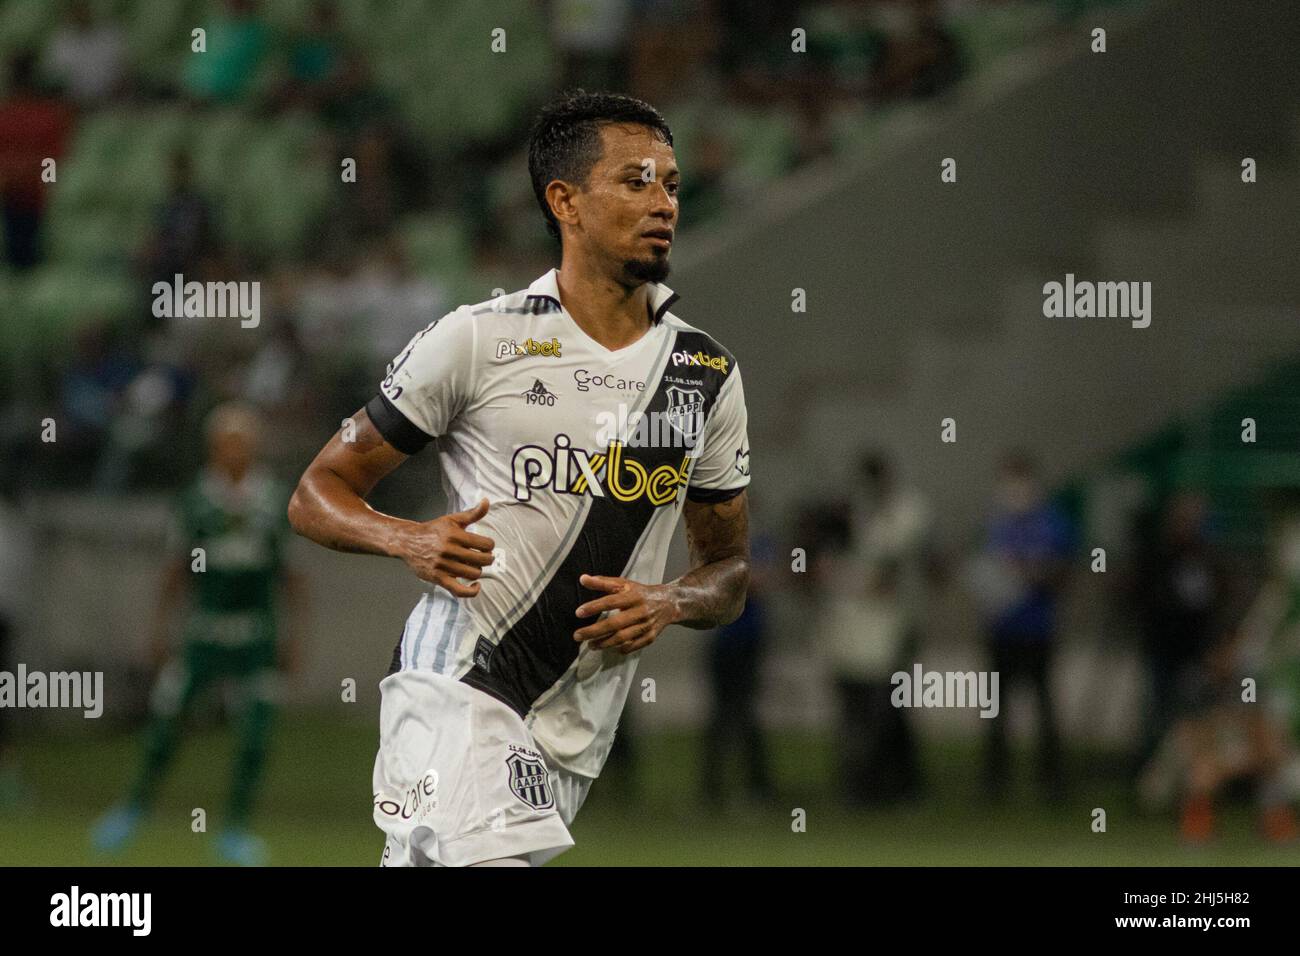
x=586, y=456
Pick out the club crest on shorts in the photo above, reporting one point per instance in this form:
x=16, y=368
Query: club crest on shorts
x=685, y=411
x=529, y=780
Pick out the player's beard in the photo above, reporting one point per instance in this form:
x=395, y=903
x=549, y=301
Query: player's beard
x=654, y=269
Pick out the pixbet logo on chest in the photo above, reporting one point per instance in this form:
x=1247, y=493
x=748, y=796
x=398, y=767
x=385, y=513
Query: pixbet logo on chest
x=509, y=347
x=598, y=474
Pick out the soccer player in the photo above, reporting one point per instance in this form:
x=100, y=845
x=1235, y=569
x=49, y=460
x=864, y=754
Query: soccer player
x=227, y=550
x=574, y=420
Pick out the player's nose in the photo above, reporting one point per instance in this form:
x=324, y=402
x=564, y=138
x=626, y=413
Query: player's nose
x=663, y=205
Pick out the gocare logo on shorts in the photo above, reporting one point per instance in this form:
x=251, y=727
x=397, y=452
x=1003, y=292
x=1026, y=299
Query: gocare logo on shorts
x=421, y=798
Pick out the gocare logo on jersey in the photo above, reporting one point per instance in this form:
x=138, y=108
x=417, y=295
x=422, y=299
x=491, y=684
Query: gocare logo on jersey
x=718, y=362
x=576, y=471
x=511, y=348
x=586, y=381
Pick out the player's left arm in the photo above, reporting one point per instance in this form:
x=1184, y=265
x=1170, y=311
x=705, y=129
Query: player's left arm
x=716, y=510
x=709, y=595
x=713, y=592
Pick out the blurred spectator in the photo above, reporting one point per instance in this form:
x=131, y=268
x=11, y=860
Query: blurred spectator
x=33, y=128
x=1223, y=733
x=184, y=232
x=315, y=58
x=16, y=562
x=86, y=58
x=1018, y=578
x=388, y=179
x=755, y=47
x=142, y=436
x=920, y=61
x=873, y=591
x=376, y=303
x=680, y=32
x=865, y=633
x=704, y=179
x=237, y=44
x=1220, y=737
x=891, y=534
x=736, y=654
x=92, y=389
x=592, y=39
x=1179, y=587
x=274, y=367
x=894, y=525
x=352, y=100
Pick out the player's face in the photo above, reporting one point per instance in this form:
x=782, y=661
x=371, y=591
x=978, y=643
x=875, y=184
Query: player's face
x=629, y=208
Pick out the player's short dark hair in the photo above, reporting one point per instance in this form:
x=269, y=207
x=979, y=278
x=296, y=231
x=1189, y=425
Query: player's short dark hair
x=565, y=139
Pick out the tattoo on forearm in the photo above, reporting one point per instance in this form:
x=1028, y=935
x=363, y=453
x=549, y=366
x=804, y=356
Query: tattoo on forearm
x=713, y=592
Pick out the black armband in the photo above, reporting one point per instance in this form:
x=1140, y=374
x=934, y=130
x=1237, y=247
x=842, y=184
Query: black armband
x=395, y=427
x=712, y=496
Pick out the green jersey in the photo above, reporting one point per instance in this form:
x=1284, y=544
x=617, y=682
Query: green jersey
x=242, y=530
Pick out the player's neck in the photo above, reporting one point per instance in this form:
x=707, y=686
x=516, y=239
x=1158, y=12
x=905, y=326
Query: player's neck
x=609, y=312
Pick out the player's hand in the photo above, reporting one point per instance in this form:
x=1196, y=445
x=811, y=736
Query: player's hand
x=639, y=612
x=441, y=550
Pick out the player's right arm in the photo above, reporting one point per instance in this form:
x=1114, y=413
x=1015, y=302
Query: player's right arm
x=329, y=507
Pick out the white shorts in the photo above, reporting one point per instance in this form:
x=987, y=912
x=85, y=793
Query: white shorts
x=460, y=780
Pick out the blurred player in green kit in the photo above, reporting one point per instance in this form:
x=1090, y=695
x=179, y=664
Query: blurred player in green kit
x=227, y=557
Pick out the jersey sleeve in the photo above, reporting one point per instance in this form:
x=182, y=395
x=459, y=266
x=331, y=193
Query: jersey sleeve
x=427, y=384
x=722, y=470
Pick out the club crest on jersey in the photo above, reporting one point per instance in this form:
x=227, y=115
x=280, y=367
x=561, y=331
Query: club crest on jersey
x=576, y=471
x=685, y=411
x=529, y=780
x=539, y=394
x=509, y=348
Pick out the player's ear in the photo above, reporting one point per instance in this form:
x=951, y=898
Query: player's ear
x=563, y=199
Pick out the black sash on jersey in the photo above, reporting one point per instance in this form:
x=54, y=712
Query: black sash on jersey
x=539, y=647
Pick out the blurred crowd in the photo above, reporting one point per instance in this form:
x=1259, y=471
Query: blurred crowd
x=128, y=391
x=130, y=388
x=1218, y=639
